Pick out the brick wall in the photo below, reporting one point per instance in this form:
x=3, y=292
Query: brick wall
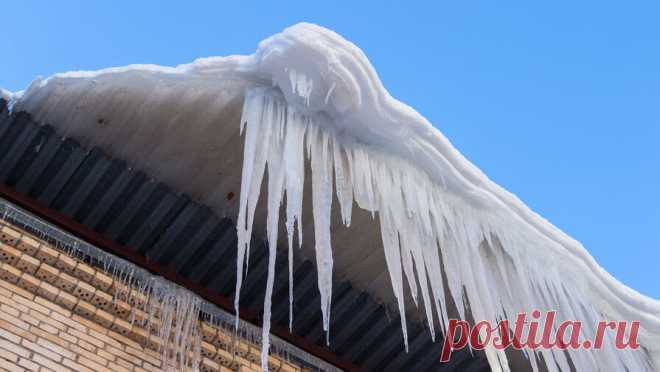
x=57, y=313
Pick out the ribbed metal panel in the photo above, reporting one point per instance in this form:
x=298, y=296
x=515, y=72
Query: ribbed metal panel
x=124, y=205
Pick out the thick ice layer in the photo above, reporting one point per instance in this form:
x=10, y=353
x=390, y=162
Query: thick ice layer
x=311, y=94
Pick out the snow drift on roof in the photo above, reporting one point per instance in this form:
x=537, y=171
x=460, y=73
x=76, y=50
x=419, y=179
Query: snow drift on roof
x=308, y=94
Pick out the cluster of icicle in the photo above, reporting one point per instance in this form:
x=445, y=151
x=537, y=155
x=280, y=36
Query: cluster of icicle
x=427, y=233
x=173, y=317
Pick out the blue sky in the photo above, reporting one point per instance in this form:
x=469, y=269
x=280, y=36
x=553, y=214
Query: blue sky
x=557, y=102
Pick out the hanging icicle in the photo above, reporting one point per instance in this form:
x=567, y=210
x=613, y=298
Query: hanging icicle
x=422, y=226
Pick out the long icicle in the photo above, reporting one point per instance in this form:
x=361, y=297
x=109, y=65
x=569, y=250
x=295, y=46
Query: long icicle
x=427, y=233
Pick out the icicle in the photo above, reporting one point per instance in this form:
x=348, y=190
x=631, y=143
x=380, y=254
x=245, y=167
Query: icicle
x=322, y=203
x=428, y=233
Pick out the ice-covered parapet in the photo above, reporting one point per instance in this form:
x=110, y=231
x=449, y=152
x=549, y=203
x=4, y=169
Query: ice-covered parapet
x=307, y=94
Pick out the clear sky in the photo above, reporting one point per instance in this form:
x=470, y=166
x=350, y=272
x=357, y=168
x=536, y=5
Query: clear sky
x=557, y=102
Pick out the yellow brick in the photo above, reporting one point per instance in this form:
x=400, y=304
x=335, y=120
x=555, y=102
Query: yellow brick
x=118, y=368
x=9, y=366
x=9, y=254
x=47, y=255
x=27, y=263
x=28, y=365
x=84, y=272
x=38, y=349
x=48, y=320
x=13, y=288
x=47, y=273
x=49, y=364
x=50, y=337
x=84, y=291
x=89, y=324
x=209, y=333
x=66, y=282
x=104, y=318
x=66, y=263
x=9, y=236
x=29, y=283
x=94, y=364
x=75, y=366
x=56, y=348
x=68, y=321
x=47, y=291
x=122, y=327
x=84, y=336
x=68, y=301
x=102, y=300
x=84, y=309
x=28, y=245
x=90, y=356
x=102, y=281
x=14, y=348
x=208, y=350
x=122, y=309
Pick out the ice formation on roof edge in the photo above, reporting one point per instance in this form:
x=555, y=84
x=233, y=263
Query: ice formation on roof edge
x=422, y=226
x=331, y=87
x=331, y=102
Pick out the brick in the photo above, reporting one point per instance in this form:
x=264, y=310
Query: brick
x=27, y=263
x=47, y=255
x=49, y=336
x=84, y=272
x=56, y=348
x=48, y=291
x=11, y=323
x=66, y=300
x=208, y=350
x=8, y=355
x=31, y=304
x=102, y=281
x=208, y=333
x=104, y=318
x=47, y=273
x=122, y=327
x=75, y=366
x=16, y=290
x=68, y=321
x=13, y=348
x=53, y=307
x=66, y=282
x=89, y=324
x=122, y=309
x=66, y=264
x=38, y=349
x=87, y=346
x=105, y=355
x=8, y=331
x=28, y=365
x=9, y=274
x=28, y=282
x=9, y=254
x=84, y=336
x=26, y=317
x=47, y=320
x=122, y=354
x=49, y=363
x=9, y=236
x=28, y=245
x=84, y=309
x=9, y=366
x=93, y=363
x=67, y=337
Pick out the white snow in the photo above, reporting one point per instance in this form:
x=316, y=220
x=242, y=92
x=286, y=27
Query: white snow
x=310, y=94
